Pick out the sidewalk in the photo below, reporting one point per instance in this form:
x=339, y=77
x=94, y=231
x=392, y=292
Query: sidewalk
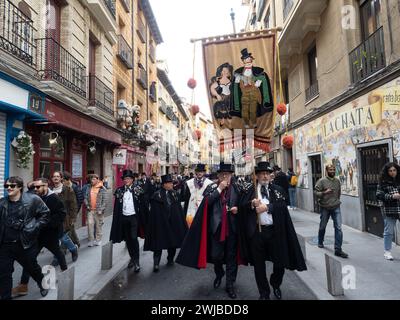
x=89, y=278
x=376, y=278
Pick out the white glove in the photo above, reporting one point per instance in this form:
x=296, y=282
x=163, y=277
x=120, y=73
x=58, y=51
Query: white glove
x=258, y=83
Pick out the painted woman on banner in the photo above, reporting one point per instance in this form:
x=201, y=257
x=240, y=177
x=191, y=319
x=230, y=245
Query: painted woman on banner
x=220, y=89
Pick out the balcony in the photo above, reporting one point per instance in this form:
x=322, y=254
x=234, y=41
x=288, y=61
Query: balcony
x=142, y=77
x=125, y=52
x=153, y=91
x=16, y=33
x=368, y=57
x=312, y=92
x=141, y=31
x=54, y=63
x=162, y=105
x=104, y=11
x=100, y=95
x=306, y=17
x=152, y=53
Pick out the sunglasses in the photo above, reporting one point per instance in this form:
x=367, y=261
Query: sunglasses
x=38, y=187
x=10, y=185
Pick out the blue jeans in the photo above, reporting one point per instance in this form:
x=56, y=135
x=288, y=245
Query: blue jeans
x=67, y=242
x=292, y=197
x=337, y=224
x=388, y=232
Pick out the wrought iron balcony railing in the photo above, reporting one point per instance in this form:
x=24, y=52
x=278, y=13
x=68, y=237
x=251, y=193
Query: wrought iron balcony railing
x=162, y=105
x=368, y=57
x=141, y=30
x=312, y=92
x=142, y=77
x=16, y=32
x=100, y=95
x=125, y=52
x=57, y=64
x=110, y=4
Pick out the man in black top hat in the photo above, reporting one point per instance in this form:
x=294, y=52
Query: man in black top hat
x=267, y=232
x=213, y=236
x=281, y=180
x=167, y=224
x=252, y=94
x=193, y=191
x=129, y=218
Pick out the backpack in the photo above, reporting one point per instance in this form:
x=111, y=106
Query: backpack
x=293, y=180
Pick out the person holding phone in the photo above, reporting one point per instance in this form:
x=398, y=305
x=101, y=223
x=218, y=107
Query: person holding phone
x=328, y=192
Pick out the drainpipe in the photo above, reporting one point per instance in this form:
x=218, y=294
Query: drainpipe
x=147, y=70
x=133, y=52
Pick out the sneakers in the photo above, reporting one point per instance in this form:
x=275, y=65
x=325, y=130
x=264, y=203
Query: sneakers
x=388, y=255
x=55, y=263
x=75, y=254
x=97, y=243
x=341, y=254
x=320, y=245
x=91, y=244
x=19, y=290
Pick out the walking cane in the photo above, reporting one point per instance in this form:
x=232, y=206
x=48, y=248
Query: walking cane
x=256, y=190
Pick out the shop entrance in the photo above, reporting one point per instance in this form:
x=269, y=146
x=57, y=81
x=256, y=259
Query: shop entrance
x=316, y=174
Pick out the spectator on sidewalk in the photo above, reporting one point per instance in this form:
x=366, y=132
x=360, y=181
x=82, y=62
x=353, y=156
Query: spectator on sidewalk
x=292, y=179
x=128, y=220
x=22, y=216
x=67, y=195
x=50, y=234
x=388, y=193
x=281, y=180
x=79, y=199
x=328, y=192
x=95, y=202
x=30, y=186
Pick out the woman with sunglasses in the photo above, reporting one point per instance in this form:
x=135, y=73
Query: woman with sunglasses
x=22, y=216
x=388, y=193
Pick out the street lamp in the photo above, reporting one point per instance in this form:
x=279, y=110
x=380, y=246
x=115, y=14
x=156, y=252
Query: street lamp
x=233, y=20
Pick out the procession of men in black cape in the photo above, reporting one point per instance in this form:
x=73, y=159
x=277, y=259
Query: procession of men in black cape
x=223, y=220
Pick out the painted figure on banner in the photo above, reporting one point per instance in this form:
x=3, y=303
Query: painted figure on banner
x=220, y=89
x=252, y=94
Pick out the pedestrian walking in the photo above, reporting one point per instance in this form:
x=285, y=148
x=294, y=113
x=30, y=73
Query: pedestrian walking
x=95, y=202
x=22, y=216
x=328, y=192
x=213, y=236
x=388, y=193
x=128, y=219
x=166, y=225
x=292, y=179
x=281, y=180
x=49, y=235
x=269, y=233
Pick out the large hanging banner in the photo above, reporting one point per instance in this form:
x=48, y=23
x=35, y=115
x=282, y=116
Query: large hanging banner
x=240, y=74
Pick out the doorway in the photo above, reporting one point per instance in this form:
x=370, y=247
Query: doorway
x=372, y=159
x=316, y=174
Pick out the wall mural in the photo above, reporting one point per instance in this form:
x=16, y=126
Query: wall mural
x=371, y=117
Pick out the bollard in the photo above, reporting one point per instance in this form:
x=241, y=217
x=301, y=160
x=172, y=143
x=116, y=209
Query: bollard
x=302, y=242
x=107, y=256
x=334, y=275
x=66, y=284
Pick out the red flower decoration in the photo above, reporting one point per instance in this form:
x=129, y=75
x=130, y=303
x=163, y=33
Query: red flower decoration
x=281, y=109
x=192, y=83
x=287, y=142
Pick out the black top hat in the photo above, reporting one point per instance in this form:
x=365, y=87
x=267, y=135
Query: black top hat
x=166, y=178
x=263, y=166
x=276, y=168
x=226, y=167
x=213, y=176
x=246, y=54
x=127, y=174
x=200, y=167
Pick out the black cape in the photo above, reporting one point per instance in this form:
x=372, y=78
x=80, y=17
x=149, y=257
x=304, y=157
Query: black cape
x=287, y=252
x=167, y=226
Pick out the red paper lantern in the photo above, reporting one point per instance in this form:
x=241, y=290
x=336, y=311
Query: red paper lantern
x=281, y=109
x=195, y=109
x=287, y=142
x=192, y=83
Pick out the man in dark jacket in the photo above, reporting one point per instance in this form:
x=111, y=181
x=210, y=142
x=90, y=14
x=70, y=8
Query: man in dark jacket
x=213, y=236
x=145, y=184
x=129, y=217
x=50, y=234
x=22, y=216
x=282, y=181
x=167, y=224
x=267, y=232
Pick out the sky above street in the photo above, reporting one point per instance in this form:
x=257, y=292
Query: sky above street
x=182, y=20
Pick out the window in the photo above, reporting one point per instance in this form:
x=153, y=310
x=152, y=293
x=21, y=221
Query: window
x=370, y=17
x=52, y=157
x=286, y=90
x=287, y=6
x=312, y=65
x=267, y=19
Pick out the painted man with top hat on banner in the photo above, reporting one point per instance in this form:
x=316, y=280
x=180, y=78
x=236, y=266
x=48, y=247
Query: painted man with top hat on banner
x=167, y=225
x=252, y=94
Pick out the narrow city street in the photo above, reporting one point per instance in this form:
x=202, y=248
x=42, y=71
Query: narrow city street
x=181, y=283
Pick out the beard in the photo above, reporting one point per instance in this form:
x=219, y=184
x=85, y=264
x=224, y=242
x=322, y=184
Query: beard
x=263, y=183
x=331, y=175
